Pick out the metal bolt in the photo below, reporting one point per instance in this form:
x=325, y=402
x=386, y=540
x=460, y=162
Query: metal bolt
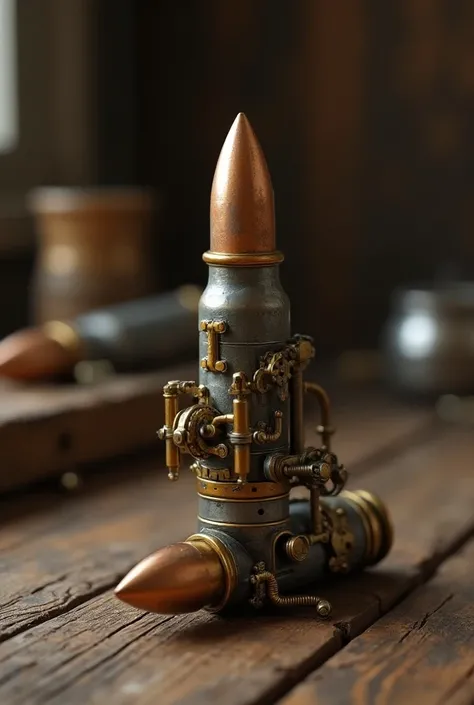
x=178, y=437
x=324, y=608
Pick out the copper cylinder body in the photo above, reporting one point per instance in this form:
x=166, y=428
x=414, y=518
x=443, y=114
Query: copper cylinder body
x=94, y=249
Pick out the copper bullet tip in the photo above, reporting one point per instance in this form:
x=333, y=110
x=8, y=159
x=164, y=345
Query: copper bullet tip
x=180, y=578
x=242, y=207
x=31, y=355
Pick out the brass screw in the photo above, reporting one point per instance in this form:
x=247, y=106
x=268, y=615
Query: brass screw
x=324, y=608
x=71, y=481
x=178, y=437
x=324, y=472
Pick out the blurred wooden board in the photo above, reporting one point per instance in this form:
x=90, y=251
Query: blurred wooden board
x=46, y=430
x=67, y=639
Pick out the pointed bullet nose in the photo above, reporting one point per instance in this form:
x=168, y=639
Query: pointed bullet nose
x=29, y=354
x=183, y=577
x=242, y=207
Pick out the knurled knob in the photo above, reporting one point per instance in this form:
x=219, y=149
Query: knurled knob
x=297, y=548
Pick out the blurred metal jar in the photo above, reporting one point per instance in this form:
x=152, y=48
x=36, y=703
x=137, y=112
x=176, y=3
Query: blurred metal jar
x=428, y=341
x=94, y=248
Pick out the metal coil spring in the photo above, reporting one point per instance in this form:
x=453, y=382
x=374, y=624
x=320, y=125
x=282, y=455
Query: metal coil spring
x=323, y=607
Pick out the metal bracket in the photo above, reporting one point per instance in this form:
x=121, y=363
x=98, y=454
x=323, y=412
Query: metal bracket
x=213, y=330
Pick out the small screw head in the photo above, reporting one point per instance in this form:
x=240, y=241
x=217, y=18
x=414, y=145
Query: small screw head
x=324, y=471
x=71, y=481
x=324, y=608
x=221, y=366
x=178, y=437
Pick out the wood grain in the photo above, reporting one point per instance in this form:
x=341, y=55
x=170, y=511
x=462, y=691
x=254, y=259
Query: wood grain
x=422, y=651
x=127, y=512
x=102, y=650
x=46, y=430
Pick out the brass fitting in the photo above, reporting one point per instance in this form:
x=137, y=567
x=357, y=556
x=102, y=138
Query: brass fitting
x=241, y=436
x=264, y=436
x=213, y=330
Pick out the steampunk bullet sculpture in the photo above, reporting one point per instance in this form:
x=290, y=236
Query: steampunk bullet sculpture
x=245, y=431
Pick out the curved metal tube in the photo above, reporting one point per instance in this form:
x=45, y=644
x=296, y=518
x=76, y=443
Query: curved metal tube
x=324, y=429
x=323, y=607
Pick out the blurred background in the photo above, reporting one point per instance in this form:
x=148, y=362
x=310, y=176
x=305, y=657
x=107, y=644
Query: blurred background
x=364, y=111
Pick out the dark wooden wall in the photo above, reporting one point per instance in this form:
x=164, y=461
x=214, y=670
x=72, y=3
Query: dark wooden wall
x=365, y=113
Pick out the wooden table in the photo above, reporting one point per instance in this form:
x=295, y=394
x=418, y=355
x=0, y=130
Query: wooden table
x=402, y=633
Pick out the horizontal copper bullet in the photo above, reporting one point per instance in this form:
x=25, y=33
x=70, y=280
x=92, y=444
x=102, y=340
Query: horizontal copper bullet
x=31, y=354
x=134, y=334
x=177, y=579
x=242, y=206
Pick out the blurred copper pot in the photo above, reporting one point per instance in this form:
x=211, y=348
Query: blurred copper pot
x=428, y=341
x=94, y=249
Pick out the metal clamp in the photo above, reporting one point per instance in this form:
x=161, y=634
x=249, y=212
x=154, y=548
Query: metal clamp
x=213, y=330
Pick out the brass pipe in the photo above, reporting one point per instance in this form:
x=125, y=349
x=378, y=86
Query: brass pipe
x=324, y=429
x=172, y=452
x=213, y=330
x=267, y=437
x=241, y=439
x=223, y=419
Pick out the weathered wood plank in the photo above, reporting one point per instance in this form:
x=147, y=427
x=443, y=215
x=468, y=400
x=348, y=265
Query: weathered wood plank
x=422, y=651
x=103, y=650
x=46, y=430
x=107, y=531
x=57, y=559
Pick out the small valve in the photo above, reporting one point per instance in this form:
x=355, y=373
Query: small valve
x=297, y=548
